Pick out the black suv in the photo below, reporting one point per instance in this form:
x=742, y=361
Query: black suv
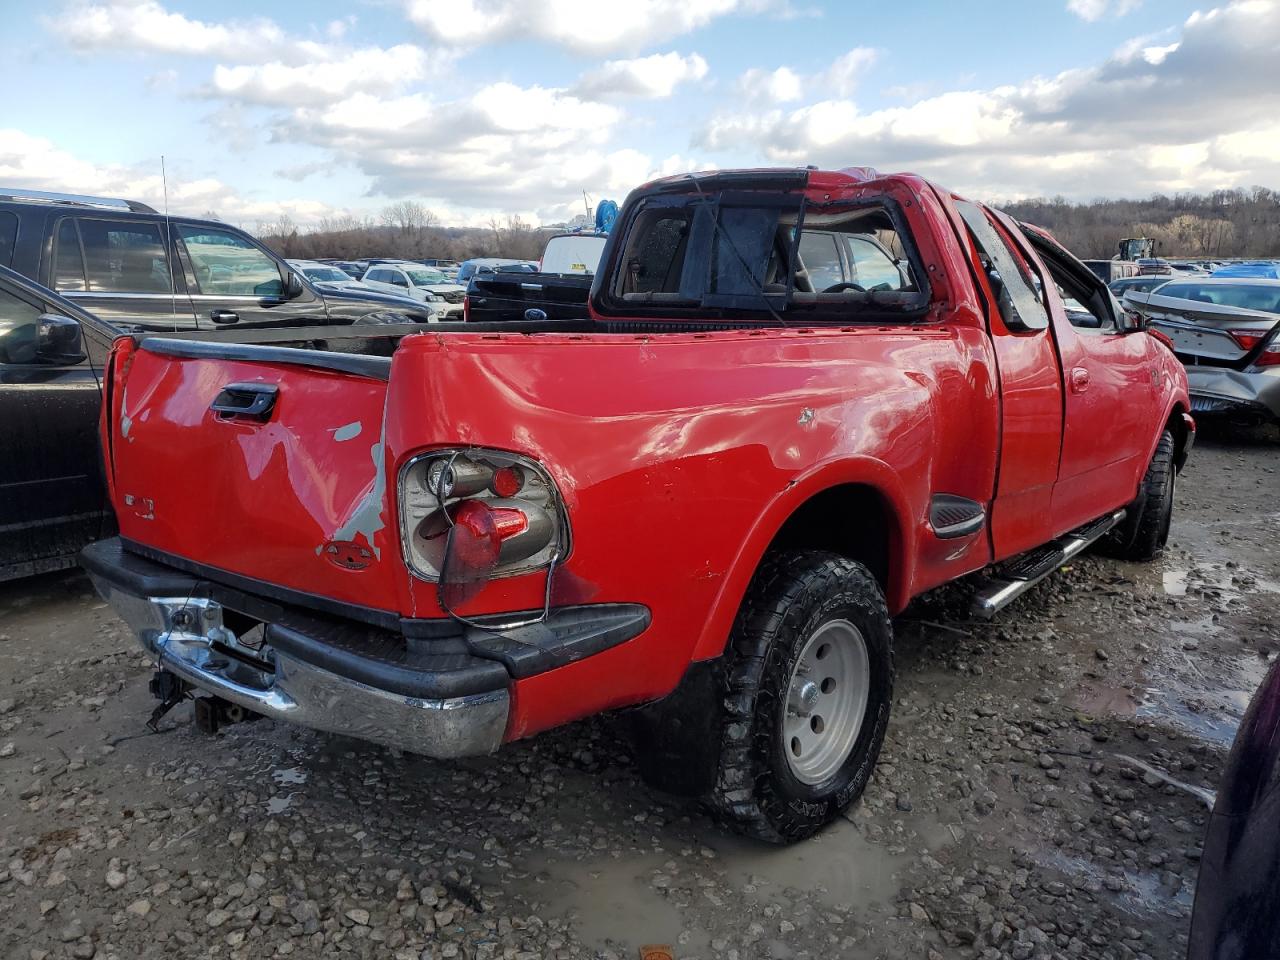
x=142, y=270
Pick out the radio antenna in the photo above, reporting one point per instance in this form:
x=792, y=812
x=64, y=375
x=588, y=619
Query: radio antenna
x=168, y=247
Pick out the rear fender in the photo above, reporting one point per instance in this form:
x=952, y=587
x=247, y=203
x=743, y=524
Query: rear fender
x=864, y=471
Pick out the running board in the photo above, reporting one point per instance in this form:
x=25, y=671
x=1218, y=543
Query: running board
x=1020, y=574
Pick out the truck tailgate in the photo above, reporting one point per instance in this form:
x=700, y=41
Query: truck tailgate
x=293, y=494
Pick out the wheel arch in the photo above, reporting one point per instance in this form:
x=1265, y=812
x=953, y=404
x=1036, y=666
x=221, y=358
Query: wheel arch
x=857, y=508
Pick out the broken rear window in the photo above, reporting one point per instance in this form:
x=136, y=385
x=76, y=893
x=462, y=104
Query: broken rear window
x=770, y=252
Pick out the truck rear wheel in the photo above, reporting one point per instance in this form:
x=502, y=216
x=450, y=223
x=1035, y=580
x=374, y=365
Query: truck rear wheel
x=1145, y=530
x=809, y=679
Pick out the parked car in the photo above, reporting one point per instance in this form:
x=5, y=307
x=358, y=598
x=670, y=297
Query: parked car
x=1227, y=332
x=418, y=283
x=52, y=497
x=1138, y=284
x=126, y=263
x=469, y=268
x=1257, y=270
x=1148, y=266
x=704, y=503
x=327, y=275
x=1110, y=271
x=354, y=269
x=1237, y=907
x=448, y=267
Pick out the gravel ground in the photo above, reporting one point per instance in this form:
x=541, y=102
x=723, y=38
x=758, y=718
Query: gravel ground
x=1021, y=807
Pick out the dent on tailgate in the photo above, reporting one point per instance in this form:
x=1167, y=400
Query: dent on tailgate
x=297, y=500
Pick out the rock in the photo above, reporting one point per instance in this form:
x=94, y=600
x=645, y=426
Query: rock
x=7, y=705
x=31, y=790
x=216, y=918
x=358, y=916
x=115, y=878
x=139, y=908
x=84, y=950
x=9, y=749
x=72, y=931
x=919, y=913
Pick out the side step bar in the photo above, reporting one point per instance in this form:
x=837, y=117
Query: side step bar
x=1017, y=576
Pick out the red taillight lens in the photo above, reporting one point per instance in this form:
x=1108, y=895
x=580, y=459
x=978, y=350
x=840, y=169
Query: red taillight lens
x=474, y=547
x=1270, y=357
x=1247, y=339
x=507, y=481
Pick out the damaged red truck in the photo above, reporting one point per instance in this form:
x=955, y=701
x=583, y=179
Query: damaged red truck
x=802, y=398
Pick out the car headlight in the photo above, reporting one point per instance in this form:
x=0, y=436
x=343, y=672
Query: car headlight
x=471, y=515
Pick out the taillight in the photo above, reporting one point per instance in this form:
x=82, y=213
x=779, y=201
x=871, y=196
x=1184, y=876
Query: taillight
x=468, y=516
x=1270, y=357
x=466, y=307
x=1247, y=339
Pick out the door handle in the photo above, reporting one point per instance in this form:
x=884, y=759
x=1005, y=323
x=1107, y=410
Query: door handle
x=1079, y=379
x=223, y=316
x=251, y=401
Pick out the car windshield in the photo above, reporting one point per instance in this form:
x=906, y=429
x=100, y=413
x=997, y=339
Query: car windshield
x=425, y=277
x=1245, y=296
x=325, y=274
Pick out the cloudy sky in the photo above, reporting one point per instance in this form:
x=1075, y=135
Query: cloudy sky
x=478, y=107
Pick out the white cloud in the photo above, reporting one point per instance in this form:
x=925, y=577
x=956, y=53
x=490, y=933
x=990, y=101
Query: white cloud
x=586, y=26
x=1190, y=111
x=651, y=78
x=36, y=163
x=1093, y=10
x=785, y=85
x=147, y=26
x=369, y=69
x=774, y=86
x=842, y=77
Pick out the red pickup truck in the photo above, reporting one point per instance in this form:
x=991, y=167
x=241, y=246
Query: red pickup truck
x=801, y=399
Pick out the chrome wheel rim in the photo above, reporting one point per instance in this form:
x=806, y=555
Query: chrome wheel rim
x=826, y=702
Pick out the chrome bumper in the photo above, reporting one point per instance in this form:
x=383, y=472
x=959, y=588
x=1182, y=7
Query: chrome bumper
x=186, y=636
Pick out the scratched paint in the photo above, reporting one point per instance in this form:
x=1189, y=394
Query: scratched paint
x=348, y=431
x=126, y=423
x=366, y=518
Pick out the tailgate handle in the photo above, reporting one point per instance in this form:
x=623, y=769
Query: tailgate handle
x=253, y=401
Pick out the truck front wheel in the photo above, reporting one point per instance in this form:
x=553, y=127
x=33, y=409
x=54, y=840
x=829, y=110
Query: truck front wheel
x=1145, y=530
x=808, y=685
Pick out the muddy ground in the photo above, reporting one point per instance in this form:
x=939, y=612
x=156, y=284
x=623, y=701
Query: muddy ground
x=1011, y=814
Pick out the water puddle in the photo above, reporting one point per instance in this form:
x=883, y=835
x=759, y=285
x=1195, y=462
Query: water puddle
x=291, y=775
x=619, y=901
x=1142, y=893
x=1210, y=578
x=839, y=867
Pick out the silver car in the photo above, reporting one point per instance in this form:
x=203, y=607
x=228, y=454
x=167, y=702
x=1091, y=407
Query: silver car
x=1226, y=331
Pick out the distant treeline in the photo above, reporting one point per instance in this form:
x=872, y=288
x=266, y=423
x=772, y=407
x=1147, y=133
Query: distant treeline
x=406, y=229
x=1225, y=223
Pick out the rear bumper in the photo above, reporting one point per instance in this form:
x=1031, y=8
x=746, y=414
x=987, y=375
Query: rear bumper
x=434, y=688
x=1234, y=393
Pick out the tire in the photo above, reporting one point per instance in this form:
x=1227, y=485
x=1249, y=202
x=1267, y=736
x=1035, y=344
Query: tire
x=1145, y=530
x=769, y=785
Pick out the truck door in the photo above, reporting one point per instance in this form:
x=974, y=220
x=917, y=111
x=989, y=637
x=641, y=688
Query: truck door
x=1110, y=394
x=1030, y=392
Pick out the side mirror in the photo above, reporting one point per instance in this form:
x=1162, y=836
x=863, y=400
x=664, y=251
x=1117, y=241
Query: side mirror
x=293, y=286
x=1131, y=321
x=58, y=340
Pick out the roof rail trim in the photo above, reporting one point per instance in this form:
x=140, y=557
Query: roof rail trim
x=74, y=200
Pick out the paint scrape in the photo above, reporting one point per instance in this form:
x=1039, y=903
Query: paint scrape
x=348, y=431
x=366, y=518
